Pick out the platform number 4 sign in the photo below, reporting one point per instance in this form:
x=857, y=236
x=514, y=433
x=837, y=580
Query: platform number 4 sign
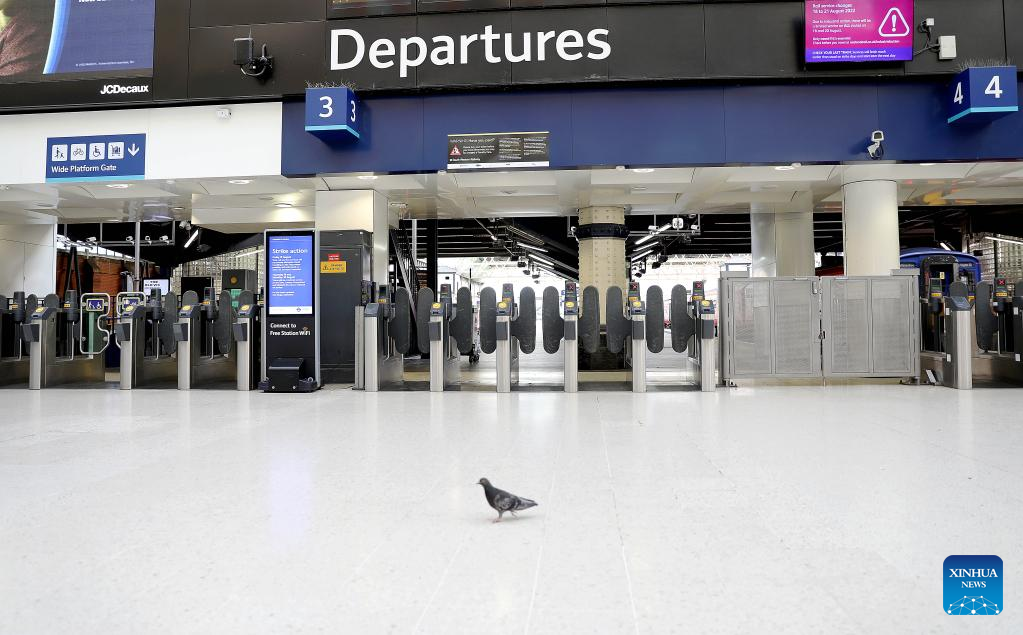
x=985, y=93
x=333, y=113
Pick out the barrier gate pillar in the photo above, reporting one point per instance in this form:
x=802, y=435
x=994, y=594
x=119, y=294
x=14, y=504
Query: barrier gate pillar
x=505, y=314
x=637, y=315
x=571, y=337
x=705, y=338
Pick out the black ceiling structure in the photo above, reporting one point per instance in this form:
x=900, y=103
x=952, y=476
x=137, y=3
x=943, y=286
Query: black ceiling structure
x=552, y=245
x=117, y=236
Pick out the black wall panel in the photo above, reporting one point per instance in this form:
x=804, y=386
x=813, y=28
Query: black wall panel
x=1014, y=30
x=365, y=76
x=477, y=71
x=553, y=68
x=437, y=6
x=365, y=8
x=542, y=4
x=298, y=50
x=170, y=50
x=234, y=12
x=977, y=25
x=671, y=39
x=754, y=39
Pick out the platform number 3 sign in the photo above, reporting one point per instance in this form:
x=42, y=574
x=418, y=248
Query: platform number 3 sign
x=984, y=93
x=333, y=113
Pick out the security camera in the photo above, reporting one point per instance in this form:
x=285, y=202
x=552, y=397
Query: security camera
x=876, y=149
x=245, y=58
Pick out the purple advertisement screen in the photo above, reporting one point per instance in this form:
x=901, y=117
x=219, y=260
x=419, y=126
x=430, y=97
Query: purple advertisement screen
x=859, y=30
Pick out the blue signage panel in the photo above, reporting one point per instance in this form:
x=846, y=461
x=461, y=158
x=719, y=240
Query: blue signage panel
x=290, y=274
x=97, y=158
x=982, y=94
x=333, y=113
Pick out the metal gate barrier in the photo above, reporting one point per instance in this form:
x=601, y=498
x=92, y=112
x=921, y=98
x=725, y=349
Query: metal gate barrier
x=820, y=327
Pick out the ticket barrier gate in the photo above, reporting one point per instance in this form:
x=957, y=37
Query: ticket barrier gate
x=999, y=331
x=14, y=311
x=947, y=358
x=706, y=347
x=627, y=330
x=386, y=338
x=634, y=325
x=558, y=329
x=145, y=335
x=507, y=328
x=933, y=317
x=247, y=330
x=205, y=338
x=444, y=332
x=67, y=340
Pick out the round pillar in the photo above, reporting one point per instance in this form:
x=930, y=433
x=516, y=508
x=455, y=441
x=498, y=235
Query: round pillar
x=602, y=233
x=763, y=246
x=870, y=223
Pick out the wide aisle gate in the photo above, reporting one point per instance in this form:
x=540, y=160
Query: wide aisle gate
x=773, y=327
x=871, y=327
x=820, y=327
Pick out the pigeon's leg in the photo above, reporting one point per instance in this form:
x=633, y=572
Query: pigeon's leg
x=514, y=515
x=499, y=515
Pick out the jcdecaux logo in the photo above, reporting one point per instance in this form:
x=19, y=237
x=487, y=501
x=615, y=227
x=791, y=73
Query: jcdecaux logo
x=973, y=585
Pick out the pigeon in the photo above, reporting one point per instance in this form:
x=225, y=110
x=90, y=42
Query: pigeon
x=502, y=501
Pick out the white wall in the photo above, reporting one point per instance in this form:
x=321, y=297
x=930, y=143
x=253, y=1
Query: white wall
x=28, y=261
x=185, y=142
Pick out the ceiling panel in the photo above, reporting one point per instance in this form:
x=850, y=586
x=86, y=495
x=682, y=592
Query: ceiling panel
x=679, y=177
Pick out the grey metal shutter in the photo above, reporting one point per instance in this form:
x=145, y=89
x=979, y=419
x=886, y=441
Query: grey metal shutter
x=751, y=327
x=894, y=341
x=796, y=328
x=847, y=326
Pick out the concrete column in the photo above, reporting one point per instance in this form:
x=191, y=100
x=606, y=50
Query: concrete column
x=763, y=243
x=28, y=259
x=794, y=242
x=782, y=238
x=870, y=224
x=602, y=255
x=360, y=209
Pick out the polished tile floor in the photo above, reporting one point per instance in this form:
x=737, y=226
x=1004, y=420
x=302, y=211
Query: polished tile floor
x=782, y=509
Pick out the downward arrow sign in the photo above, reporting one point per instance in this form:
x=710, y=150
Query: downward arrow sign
x=133, y=149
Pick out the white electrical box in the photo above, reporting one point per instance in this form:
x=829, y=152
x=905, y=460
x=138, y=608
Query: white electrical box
x=947, y=47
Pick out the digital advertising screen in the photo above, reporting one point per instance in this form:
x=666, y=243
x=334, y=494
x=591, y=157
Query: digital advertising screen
x=859, y=31
x=290, y=274
x=150, y=284
x=44, y=40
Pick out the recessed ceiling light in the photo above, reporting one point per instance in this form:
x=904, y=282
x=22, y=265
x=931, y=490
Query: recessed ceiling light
x=118, y=186
x=927, y=165
x=368, y=177
x=784, y=168
x=177, y=209
x=282, y=205
x=240, y=181
x=643, y=170
x=45, y=205
x=639, y=188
